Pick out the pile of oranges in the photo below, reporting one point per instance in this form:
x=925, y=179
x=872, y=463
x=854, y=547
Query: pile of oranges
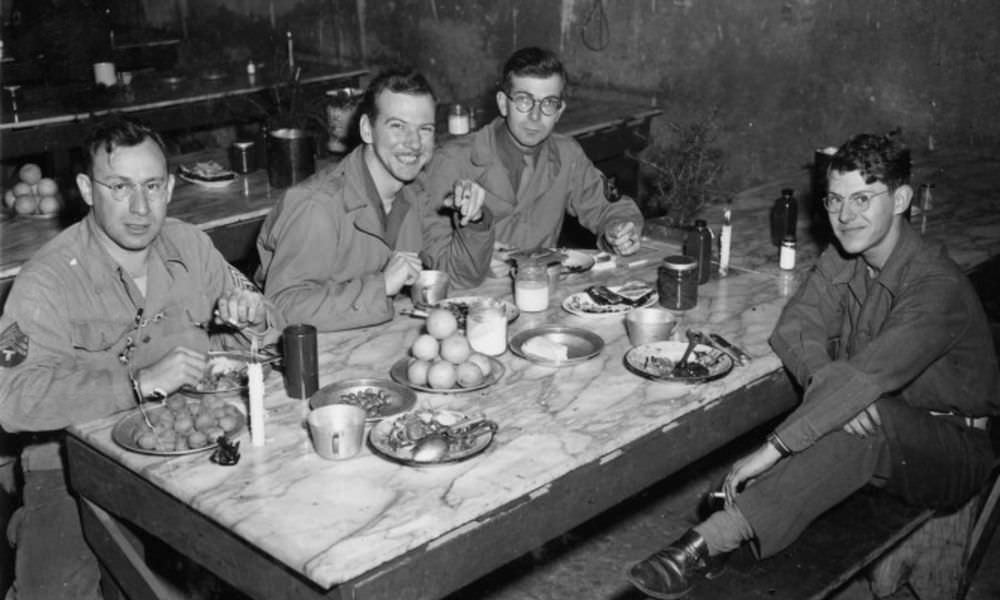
x=442, y=358
x=33, y=194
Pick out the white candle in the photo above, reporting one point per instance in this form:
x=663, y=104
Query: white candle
x=725, y=242
x=255, y=383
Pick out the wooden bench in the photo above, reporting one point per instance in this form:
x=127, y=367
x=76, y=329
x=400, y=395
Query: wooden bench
x=872, y=531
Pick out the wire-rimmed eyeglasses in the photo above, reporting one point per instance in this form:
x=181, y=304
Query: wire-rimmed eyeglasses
x=525, y=103
x=858, y=201
x=123, y=189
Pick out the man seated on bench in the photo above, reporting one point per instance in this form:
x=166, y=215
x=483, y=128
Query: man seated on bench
x=891, y=345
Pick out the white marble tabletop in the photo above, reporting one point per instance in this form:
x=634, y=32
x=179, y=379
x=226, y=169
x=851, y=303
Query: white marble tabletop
x=333, y=521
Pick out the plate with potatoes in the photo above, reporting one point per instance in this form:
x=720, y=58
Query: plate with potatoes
x=181, y=426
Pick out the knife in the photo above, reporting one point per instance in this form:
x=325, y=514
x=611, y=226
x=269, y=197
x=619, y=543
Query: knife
x=744, y=358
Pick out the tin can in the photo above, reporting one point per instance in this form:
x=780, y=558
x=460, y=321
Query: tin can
x=677, y=282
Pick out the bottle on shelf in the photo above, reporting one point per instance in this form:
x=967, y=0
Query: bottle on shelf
x=698, y=245
x=784, y=215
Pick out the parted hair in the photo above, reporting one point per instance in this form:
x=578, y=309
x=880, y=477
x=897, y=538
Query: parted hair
x=879, y=157
x=531, y=62
x=400, y=80
x=117, y=130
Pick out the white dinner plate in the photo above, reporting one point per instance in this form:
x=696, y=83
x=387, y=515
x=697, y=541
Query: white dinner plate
x=582, y=305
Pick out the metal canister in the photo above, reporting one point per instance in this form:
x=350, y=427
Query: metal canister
x=677, y=282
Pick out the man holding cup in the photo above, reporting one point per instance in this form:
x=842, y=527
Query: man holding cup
x=337, y=247
x=533, y=176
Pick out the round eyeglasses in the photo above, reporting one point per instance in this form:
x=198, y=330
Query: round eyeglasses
x=858, y=201
x=525, y=103
x=122, y=190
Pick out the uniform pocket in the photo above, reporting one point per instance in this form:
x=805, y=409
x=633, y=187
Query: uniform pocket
x=99, y=335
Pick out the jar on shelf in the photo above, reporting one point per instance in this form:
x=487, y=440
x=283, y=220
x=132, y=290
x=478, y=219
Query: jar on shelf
x=458, y=120
x=677, y=282
x=531, y=287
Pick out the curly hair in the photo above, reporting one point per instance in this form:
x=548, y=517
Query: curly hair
x=117, y=130
x=878, y=157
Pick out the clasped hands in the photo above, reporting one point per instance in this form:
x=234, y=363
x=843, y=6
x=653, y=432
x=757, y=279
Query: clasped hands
x=239, y=308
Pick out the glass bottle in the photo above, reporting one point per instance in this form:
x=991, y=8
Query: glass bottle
x=784, y=215
x=677, y=282
x=531, y=287
x=698, y=244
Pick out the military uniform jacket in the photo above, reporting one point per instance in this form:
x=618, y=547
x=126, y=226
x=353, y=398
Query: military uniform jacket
x=563, y=180
x=75, y=323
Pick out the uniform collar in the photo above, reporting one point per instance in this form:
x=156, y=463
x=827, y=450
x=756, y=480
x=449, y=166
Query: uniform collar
x=908, y=246
x=106, y=269
x=486, y=146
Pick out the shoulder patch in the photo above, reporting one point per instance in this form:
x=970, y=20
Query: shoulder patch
x=13, y=346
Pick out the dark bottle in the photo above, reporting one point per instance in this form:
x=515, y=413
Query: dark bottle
x=698, y=245
x=784, y=214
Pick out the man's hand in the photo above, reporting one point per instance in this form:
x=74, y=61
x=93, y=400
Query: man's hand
x=747, y=468
x=181, y=366
x=624, y=237
x=865, y=423
x=242, y=308
x=467, y=198
x=402, y=269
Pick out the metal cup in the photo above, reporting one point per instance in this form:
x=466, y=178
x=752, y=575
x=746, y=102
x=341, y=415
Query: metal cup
x=242, y=157
x=337, y=430
x=430, y=288
x=646, y=325
x=300, y=359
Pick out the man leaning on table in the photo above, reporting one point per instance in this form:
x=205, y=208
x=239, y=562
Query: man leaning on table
x=338, y=246
x=893, y=350
x=533, y=176
x=115, y=310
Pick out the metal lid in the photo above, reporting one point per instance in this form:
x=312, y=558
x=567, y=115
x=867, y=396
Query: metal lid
x=680, y=263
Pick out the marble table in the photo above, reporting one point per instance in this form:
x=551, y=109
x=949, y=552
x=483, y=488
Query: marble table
x=572, y=442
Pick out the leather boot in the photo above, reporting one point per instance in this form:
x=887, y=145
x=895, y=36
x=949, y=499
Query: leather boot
x=668, y=574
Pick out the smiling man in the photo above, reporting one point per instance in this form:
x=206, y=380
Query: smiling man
x=532, y=176
x=337, y=247
x=108, y=314
x=893, y=350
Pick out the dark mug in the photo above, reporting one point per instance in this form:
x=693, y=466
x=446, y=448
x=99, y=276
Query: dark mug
x=300, y=360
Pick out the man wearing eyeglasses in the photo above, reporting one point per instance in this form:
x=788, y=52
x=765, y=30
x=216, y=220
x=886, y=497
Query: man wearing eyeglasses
x=893, y=350
x=531, y=176
x=116, y=310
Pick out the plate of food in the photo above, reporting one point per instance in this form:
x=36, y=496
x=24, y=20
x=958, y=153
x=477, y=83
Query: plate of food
x=431, y=437
x=400, y=372
x=459, y=306
x=616, y=300
x=379, y=397
x=575, y=261
x=208, y=174
x=556, y=345
x=657, y=361
x=225, y=373
x=180, y=426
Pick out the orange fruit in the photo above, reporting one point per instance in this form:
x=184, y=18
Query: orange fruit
x=26, y=205
x=441, y=375
x=9, y=198
x=47, y=187
x=441, y=323
x=468, y=375
x=455, y=349
x=416, y=372
x=48, y=205
x=482, y=361
x=30, y=173
x=425, y=347
x=23, y=189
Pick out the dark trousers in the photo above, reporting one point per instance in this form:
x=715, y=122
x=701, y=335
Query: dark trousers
x=933, y=461
x=52, y=560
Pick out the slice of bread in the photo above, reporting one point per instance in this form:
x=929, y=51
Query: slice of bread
x=545, y=348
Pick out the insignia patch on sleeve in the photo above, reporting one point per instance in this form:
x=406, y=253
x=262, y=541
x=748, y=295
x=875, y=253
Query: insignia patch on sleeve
x=13, y=346
x=240, y=281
